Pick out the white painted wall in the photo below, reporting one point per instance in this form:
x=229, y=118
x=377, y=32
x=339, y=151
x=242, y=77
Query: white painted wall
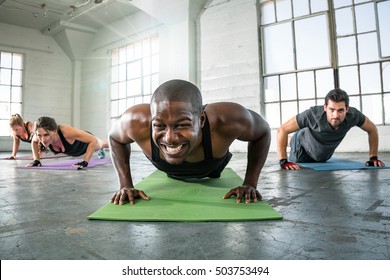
x=47, y=76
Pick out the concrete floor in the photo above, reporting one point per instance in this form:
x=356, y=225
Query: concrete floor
x=327, y=215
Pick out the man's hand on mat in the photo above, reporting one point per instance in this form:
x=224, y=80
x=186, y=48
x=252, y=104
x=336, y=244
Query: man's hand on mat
x=374, y=161
x=246, y=192
x=129, y=194
x=285, y=164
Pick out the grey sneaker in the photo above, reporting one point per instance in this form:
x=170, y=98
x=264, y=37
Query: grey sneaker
x=101, y=154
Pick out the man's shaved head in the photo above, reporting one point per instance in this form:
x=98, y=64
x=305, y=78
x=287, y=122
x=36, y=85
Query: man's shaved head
x=179, y=90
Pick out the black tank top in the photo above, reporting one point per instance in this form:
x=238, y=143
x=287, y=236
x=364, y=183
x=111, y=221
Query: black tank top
x=76, y=149
x=209, y=167
x=29, y=136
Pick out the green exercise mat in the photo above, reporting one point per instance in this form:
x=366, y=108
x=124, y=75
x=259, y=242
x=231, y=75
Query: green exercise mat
x=187, y=201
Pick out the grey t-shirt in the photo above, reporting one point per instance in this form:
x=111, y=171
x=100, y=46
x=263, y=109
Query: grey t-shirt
x=318, y=137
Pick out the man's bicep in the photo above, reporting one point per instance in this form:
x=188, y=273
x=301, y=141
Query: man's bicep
x=290, y=126
x=368, y=126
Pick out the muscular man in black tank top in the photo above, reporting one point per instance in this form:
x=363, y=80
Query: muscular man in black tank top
x=186, y=140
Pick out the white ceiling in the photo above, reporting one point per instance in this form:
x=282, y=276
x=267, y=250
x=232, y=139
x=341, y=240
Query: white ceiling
x=39, y=14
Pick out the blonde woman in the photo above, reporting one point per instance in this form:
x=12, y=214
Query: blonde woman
x=22, y=131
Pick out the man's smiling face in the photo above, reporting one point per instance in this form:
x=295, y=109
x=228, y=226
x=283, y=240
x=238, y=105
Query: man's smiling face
x=176, y=129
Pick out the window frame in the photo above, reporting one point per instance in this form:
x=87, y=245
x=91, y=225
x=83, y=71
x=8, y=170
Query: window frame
x=134, y=74
x=12, y=101
x=332, y=72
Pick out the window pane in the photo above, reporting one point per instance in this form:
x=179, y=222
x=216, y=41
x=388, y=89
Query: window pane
x=283, y=10
x=147, y=98
x=267, y=13
x=155, y=63
x=137, y=50
x=372, y=108
x=386, y=76
x=16, y=94
x=271, y=88
x=288, y=87
x=370, y=78
x=16, y=108
x=272, y=113
x=155, y=45
x=147, y=88
x=301, y=7
x=318, y=5
x=312, y=42
x=4, y=126
x=114, y=57
x=134, y=70
x=349, y=80
x=6, y=60
x=278, y=48
x=5, y=93
x=320, y=101
x=5, y=76
x=134, y=87
x=365, y=18
x=138, y=99
x=17, y=61
x=155, y=80
x=306, y=85
x=130, y=52
x=114, y=108
x=289, y=110
x=340, y=3
x=129, y=102
x=384, y=27
x=346, y=50
x=146, y=47
x=122, y=106
x=146, y=66
x=324, y=82
x=122, y=72
x=114, y=74
x=16, y=77
x=114, y=91
x=344, y=21
x=368, y=47
x=122, y=89
x=122, y=55
x=5, y=111
x=354, y=101
x=306, y=104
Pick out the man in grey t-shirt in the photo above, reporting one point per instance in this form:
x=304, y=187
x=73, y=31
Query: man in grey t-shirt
x=320, y=129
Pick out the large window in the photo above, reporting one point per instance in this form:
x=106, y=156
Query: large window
x=11, y=88
x=134, y=74
x=312, y=46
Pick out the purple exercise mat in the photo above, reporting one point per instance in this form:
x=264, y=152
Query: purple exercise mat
x=45, y=156
x=67, y=164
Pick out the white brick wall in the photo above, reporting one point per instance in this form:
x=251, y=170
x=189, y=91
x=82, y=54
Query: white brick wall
x=229, y=53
